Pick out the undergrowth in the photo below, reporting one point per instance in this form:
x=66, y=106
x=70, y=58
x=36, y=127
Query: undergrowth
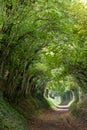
x=16, y=116
x=10, y=119
x=79, y=110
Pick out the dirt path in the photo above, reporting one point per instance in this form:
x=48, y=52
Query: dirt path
x=57, y=120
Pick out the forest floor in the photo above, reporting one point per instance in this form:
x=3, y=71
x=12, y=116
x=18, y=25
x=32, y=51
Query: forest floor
x=58, y=119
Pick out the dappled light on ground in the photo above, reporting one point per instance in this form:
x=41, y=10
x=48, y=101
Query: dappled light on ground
x=62, y=108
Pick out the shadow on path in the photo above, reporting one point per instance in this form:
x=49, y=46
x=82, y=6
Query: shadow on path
x=57, y=119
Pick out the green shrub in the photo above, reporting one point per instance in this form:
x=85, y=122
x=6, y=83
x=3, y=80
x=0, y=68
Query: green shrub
x=79, y=110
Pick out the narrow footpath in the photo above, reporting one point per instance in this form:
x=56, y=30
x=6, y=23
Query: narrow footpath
x=57, y=119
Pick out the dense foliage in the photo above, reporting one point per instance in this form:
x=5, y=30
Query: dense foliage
x=42, y=44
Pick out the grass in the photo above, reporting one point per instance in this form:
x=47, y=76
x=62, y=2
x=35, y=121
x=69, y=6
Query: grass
x=53, y=103
x=10, y=119
x=79, y=110
x=16, y=117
